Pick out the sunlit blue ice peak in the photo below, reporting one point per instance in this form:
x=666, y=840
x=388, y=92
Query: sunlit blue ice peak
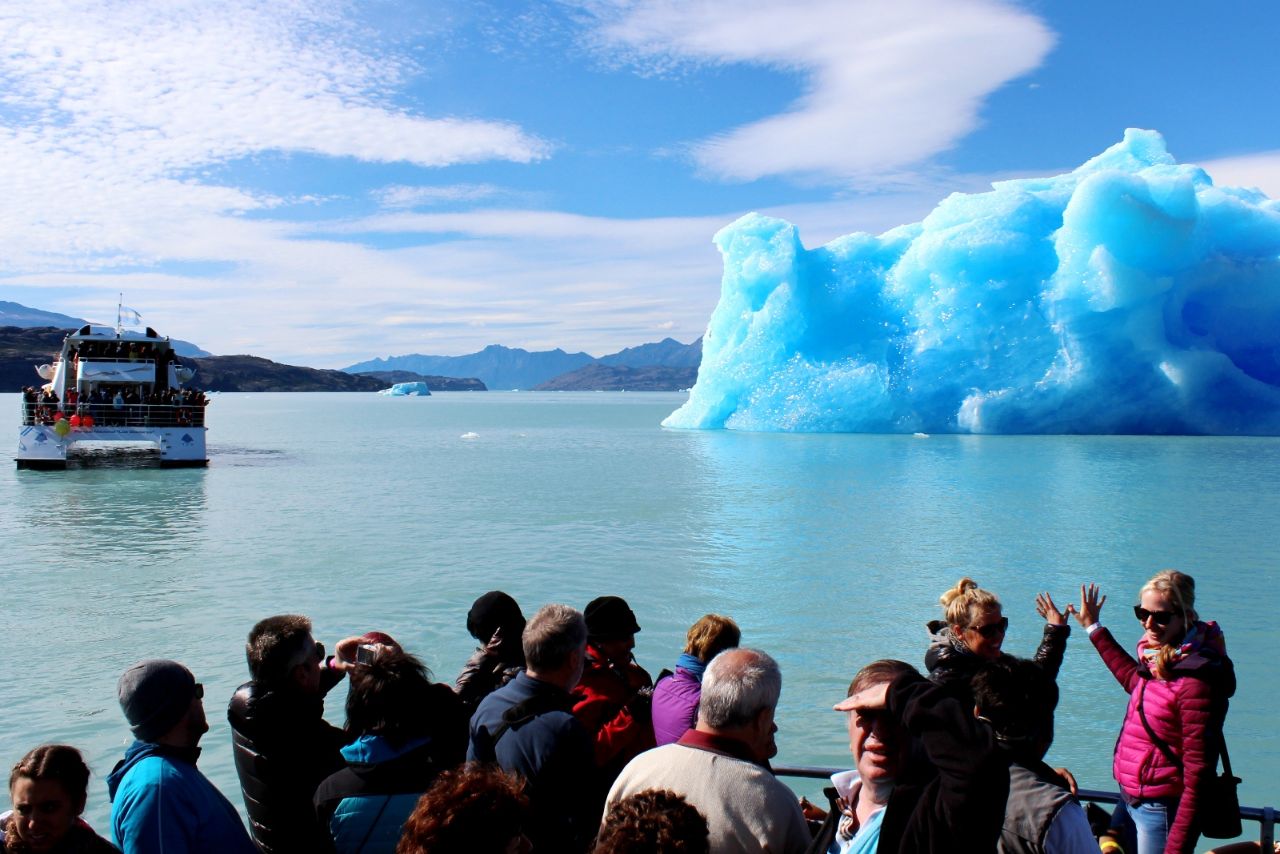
x=1128, y=296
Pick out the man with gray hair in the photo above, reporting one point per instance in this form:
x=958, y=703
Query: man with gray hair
x=721, y=767
x=527, y=727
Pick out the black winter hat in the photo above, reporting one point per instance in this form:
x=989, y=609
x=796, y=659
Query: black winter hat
x=154, y=695
x=492, y=611
x=610, y=617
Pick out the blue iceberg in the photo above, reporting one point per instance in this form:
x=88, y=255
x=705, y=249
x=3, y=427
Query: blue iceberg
x=417, y=389
x=1128, y=296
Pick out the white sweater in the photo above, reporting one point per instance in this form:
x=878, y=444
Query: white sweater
x=747, y=808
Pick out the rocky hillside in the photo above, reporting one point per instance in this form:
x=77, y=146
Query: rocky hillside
x=598, y=377
x=390, y=378
x=21, y=349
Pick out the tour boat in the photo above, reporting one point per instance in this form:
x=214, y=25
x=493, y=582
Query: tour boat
x=112, y=387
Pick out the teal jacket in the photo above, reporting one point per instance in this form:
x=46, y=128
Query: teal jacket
x=161, y=804
x=367, y=803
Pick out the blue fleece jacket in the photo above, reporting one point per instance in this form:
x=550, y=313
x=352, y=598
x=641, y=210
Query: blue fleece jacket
x=161, y=804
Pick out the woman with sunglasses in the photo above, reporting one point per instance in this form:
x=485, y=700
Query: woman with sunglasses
x=1178, y=688
x=973, y=634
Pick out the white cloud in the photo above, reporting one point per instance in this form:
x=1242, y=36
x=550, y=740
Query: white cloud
x=1260, y=170
x=401, y=196
x=109, y=110
x=886, y=85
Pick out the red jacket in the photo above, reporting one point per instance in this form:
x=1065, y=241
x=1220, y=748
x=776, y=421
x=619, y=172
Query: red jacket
x=602, y=702
x=1186, y=713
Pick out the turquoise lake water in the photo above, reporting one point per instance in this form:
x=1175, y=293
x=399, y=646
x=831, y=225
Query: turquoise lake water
x=830, y=551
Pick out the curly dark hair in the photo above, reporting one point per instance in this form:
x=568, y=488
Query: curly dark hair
x=475, y=809
x=656, y=821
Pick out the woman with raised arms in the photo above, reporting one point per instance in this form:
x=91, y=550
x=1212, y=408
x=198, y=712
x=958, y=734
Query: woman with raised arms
x=1178, y=688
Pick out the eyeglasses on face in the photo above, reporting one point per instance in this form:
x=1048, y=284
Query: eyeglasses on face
x=990, y=630
x=303, y=657
x=1160, y=618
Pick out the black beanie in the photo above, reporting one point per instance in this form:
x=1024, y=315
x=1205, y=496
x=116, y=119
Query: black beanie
x=492, y=611
x=154, y=695
x=610, y=617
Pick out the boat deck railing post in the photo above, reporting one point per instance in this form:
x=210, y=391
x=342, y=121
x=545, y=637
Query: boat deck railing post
x=1265, y=816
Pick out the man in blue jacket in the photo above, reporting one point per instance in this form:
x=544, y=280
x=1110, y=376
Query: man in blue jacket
x=160, y=802
x=527, y=727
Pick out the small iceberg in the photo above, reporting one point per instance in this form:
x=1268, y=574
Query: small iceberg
x=418, y=389
x=469, y=436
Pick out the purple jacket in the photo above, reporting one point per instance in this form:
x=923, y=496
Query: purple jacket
x=675, y=706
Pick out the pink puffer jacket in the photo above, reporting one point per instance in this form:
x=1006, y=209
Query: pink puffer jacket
x=1186, y=712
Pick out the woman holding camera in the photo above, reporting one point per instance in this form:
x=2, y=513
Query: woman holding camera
x=1178, y=687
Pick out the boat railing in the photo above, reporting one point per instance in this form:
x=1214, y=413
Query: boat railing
x=146, y=360
x=1265, y=816
x=110, y=415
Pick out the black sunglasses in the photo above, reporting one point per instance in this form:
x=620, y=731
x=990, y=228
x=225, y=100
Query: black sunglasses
x=990, y=630
x=199, y=689
x=1160, y=618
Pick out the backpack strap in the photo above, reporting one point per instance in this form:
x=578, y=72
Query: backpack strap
x=526, y=710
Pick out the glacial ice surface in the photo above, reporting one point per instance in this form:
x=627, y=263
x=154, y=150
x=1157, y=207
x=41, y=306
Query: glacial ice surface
x=414, y=389
x=1128, y=296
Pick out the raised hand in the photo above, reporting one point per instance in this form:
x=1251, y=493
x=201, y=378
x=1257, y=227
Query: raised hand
x=1091, y=602
x=1045, y=608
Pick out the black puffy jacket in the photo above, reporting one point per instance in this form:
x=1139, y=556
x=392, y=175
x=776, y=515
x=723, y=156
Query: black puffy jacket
x=283, y=749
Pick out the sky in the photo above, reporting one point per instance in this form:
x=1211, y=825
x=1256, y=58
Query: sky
x=321, y=182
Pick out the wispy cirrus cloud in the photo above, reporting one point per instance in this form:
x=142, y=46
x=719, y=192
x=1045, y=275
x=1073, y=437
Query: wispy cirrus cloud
x=401, y=196
x=110, y=112
x=885, y=85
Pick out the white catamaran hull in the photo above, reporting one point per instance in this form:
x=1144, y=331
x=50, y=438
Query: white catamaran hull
x=41, y=446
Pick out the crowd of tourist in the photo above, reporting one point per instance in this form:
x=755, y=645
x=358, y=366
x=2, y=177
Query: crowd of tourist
x=116, y=404
x=555, y=739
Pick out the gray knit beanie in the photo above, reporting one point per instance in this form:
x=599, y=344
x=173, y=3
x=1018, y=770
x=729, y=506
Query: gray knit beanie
x=154, y=695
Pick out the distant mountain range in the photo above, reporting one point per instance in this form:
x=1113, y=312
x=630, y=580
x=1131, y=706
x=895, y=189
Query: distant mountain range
x=598, y=377
x=22, y=348
x=390, y=378
x=34, y=336
x=503, y=368
x=15, y=314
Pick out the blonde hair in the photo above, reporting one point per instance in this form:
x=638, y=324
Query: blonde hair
x=1180, y=589
x=963, y=601
x=712, y=634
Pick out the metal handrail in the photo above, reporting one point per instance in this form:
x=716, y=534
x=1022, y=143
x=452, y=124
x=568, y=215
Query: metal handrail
x=1265, y=816
x=108, y=415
